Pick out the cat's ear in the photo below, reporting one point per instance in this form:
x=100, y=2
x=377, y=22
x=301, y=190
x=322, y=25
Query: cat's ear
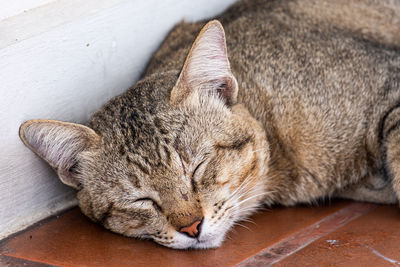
x=207, y=67
x=59, y=143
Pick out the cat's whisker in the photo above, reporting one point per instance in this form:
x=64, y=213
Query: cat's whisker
x=263, y=208
x=241, y=225
x=239, y=205
x=243, y=210
x=252, y=197
x=238, y=193
x=249, y=209
x=229, y=237
x=248, y=221
x=240, y=189
x=239, y=216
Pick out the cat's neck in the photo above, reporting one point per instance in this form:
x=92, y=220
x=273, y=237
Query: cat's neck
x=282, y=172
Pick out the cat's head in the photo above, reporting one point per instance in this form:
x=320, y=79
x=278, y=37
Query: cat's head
x=174, y=159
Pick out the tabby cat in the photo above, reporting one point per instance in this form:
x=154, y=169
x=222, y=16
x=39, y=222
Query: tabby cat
x=300, y=101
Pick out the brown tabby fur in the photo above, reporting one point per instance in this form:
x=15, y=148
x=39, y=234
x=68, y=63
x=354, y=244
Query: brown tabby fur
x=314, y=112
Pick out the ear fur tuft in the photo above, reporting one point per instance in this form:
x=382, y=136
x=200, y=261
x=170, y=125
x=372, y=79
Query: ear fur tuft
x=207, y=67
x=59, y=143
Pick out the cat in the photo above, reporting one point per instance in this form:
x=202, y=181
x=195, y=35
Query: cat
x=300, y=101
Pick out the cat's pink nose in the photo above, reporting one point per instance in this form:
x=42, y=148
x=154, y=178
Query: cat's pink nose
x=192, y=230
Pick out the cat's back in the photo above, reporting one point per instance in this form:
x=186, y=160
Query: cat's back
x=286, y=46
x=253, y=22
x=298, y=57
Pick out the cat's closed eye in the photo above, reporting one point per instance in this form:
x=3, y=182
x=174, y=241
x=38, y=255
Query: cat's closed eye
x=197, y=168
x=149, y=201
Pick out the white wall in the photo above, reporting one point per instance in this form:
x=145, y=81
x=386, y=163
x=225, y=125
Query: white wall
x=63, y=60
x=12, y=8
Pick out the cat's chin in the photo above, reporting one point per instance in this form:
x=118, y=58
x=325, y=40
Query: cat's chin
x=203, y=243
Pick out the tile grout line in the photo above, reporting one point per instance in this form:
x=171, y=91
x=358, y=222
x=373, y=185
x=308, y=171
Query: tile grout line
x=15, y=261
x=308, y=235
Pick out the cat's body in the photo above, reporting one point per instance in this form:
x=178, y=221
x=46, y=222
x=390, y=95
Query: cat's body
x=315, y=113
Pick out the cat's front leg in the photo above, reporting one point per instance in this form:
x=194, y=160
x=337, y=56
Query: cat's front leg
x=390, y=139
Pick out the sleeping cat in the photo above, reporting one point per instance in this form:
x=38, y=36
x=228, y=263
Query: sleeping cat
x=299, y=101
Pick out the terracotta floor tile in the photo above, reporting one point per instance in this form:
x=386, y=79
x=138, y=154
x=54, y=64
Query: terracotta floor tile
x=371, y=240
x=73, y=240
x=306, y=236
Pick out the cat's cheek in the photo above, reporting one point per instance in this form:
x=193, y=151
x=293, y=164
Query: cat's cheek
x=120, y=225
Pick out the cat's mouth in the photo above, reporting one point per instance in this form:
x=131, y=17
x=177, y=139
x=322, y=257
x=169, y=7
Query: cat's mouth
x=206, y=242
x=202, y=242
